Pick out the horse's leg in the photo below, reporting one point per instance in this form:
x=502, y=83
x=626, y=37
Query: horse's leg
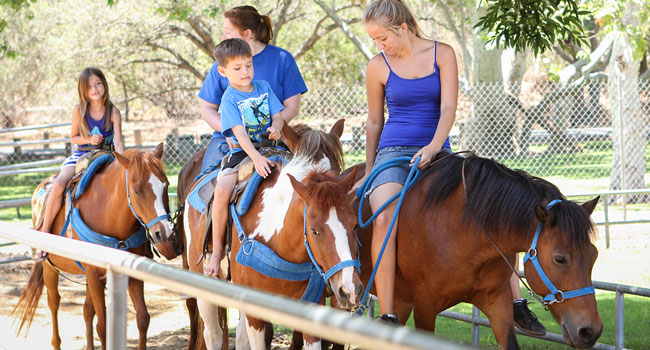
x=211, y=330
x=255, y=329
x=96, y=288
x=311, y=343
x=89, y=315
x=241, y=334
x=136, y=291
x=498, y=309
x=403, y=310
x=51, y=280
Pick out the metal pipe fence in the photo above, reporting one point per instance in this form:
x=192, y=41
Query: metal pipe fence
x=310, y=318
x=619, y=289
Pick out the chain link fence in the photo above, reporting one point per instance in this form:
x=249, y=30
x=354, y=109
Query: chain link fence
x=594, y=134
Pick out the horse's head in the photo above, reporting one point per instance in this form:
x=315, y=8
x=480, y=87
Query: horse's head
x=147, y=195
x=566, y=256
x=330, y=230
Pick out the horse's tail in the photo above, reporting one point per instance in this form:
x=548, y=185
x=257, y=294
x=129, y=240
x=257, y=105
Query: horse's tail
x=28, y=301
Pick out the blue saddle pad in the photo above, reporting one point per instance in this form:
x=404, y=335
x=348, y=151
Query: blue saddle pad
x=90, y=172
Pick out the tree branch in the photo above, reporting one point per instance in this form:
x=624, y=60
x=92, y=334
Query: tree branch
x=344, y=27
x=315, y=36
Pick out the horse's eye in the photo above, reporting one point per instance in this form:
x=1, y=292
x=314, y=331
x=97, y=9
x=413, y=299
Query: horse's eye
x=314, y=232
x=356, y=227
x=560, y=259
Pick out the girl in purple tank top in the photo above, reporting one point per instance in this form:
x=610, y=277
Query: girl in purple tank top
x=94, y=110
x=418, y=79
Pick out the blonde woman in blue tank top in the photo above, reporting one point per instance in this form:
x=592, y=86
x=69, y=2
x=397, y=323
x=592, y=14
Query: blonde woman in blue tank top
x=418, y=79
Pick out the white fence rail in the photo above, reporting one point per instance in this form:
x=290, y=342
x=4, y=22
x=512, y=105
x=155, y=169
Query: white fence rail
x=313, y=319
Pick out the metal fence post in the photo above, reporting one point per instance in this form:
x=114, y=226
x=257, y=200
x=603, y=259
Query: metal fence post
x=605, y=208
x=476, y=328
x=620, y=143
x=116, y=284
x=619, y=327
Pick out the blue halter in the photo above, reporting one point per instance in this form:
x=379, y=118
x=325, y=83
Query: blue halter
x=334, y=269
x=128, y=197
x=531, y=255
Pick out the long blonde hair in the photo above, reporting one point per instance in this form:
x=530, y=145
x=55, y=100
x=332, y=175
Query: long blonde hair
x=391, y=14
x=82, y=88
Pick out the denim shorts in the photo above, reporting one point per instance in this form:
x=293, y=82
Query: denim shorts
x=396, y=174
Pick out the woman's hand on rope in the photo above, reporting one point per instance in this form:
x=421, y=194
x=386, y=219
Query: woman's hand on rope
x=427, y=153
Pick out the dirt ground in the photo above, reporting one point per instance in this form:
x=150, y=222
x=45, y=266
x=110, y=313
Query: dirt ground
x=168, y=329
x=626, y=261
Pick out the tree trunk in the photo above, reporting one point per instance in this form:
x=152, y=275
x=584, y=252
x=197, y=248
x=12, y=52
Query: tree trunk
x=628, y=130
x=490, y=127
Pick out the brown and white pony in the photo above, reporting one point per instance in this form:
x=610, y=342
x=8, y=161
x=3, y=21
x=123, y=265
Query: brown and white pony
x=104, y=207
x=303, y=199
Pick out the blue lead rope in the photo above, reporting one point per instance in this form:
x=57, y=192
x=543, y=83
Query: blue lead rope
x=410, y=180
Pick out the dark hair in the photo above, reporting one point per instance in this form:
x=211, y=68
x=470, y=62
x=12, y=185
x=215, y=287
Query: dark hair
x=247, y=17
x=231, y=48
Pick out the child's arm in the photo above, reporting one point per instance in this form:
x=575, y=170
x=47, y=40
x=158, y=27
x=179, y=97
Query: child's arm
x=262, y=164
x=277, y=122
x=118, y=142
x=76, y=137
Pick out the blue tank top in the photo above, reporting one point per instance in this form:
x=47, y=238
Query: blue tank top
x=413, y=109
x=101, y=125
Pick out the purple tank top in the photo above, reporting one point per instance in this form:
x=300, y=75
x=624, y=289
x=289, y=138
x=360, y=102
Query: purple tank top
x=413, y=109
x=100, y=124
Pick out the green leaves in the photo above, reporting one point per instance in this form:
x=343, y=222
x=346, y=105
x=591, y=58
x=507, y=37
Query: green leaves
x=538, y=25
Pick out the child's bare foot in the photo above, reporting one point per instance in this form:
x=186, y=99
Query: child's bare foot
x=39, y=255
x=213, y=265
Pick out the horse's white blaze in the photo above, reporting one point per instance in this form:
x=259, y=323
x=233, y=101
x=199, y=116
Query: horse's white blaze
x=159, y=190
x=276, y=199
x=343, y=250
x=255, y=337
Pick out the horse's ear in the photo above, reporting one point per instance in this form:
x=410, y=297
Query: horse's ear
x=122, y=159
x=290, y=137
x=158, y=152
x=589, y=206
x=349, y=180
x=542, y=213
x=299, y=187
x=337, y=129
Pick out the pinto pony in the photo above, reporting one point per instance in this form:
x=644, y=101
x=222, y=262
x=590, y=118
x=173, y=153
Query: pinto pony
x=302, y=200
x=453, y=224
x=128, y=191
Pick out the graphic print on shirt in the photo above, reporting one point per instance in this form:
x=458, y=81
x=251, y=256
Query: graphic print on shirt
x=255, y=115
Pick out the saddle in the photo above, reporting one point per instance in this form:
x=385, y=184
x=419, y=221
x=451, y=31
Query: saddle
x=85, y=162
x=201, y=195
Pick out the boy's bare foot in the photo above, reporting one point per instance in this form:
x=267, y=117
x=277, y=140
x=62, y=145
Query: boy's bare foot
x=213, y=265
x=39, y=256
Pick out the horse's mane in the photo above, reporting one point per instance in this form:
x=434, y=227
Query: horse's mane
x=144, y=162
x=502, y=201
x=318, y=143
x=323, y=189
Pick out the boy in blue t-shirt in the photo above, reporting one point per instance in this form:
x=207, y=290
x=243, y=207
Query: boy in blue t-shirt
x=248, y=109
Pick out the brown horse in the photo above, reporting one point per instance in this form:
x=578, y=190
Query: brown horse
x=452, y=225
x=303, y=200
x=127, y=192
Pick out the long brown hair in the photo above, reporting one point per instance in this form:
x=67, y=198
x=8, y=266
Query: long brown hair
x=391, y=13
x=82, y=88
x=247, y=17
